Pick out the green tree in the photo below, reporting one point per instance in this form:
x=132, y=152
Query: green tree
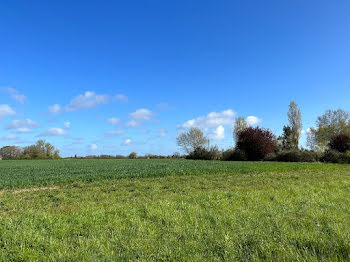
x=295, y=124
x=56, y=154
x=239, y=125
x=286, y=140
x=132, y=155
x=191, y=140
x=40, y=150
x=10, y=152
x=331, y=123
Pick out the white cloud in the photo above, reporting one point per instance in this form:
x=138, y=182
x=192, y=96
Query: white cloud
x=20, y=98
x=218, y=133
x=6, y=110
x=139, y=117
x=163, y=132
x=23, y=130
x=114, y=133
x=141, y=114
x=93, y=147
x=56, y=108
x=113, y=121
x=127, y=142
x=212, y=120
x=215, y=122
x=253, y=120
x=55, y=131
x=9, y=137
x=26, y=123
x=121, y=98
x=66, y=124
x=133, y=123
x=87, y=100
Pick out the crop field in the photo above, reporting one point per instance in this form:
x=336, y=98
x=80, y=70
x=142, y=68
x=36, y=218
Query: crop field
x=173, y=210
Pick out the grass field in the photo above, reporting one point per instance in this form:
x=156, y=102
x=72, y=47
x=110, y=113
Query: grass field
x=173, y=210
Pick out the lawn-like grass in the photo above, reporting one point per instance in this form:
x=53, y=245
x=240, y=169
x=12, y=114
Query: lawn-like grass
x=174, y=210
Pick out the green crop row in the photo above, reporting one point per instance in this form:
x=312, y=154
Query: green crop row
x=27, y=173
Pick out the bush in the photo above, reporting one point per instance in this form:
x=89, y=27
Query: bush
x=202, y=153
x=271, y=157
x=256, y=143
x=340, y=143
x=132, y=155
x=233, y=155
x=296, y=156
x=309, y=156
x=332, y=156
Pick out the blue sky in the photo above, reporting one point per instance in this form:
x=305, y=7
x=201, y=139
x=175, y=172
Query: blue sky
x=113, y=77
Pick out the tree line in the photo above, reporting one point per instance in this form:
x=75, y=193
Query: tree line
x=132, y=155
x=40, y=150
x=329, y=141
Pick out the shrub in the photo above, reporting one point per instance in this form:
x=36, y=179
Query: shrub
x=233, y=155
x=201, y=153
x=332, y=156
x=340, y=143
x=256, y=143
x=309, y=156
x=297, y=156
x=271, y=157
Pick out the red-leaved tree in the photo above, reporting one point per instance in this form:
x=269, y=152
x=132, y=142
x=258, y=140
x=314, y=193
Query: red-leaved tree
x=340, y=143
x=256, y=142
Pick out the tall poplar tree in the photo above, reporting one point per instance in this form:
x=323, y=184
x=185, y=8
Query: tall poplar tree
x=295, y=124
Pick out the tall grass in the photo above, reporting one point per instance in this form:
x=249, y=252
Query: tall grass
x=242, y=212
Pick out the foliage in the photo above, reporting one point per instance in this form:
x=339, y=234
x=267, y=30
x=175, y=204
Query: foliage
x=102, y=157
x=202, y=153
x=132, y=155
x=233, y=155
x=295, y=124
x=40, y=150
x=285, y=141
x=336, y=157
x=256, y=143
x=271, y=157
x=10, y=152
x=331, y=123
x=176, y=155
x=239, y=125
x=192, y=139
x=340, y=143
x=294, y=155
x=152, y=156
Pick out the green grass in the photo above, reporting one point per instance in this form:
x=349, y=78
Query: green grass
x=29, y=173
x=174, y=210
